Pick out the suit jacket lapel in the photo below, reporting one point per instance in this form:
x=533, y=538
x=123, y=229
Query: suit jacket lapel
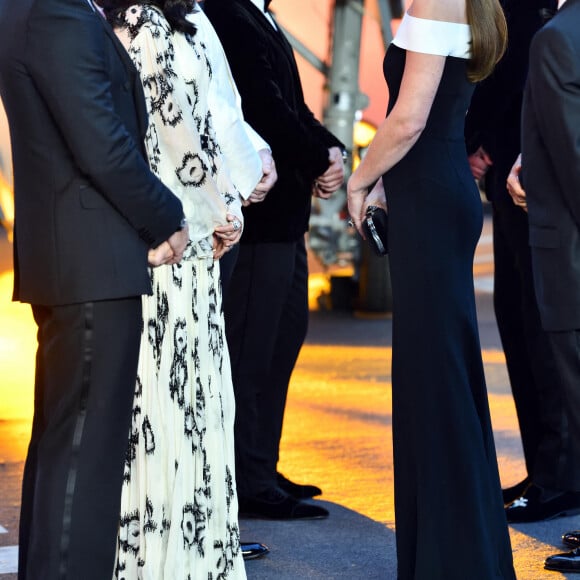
x=274, y=33
x=288, y=50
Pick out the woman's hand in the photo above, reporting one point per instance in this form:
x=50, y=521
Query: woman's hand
x=219, y=247
x=356, y=197
x=376, y=197
x=225, y=237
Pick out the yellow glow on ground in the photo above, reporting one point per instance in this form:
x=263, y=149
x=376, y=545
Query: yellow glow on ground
x=337, y=429
x=17, y=350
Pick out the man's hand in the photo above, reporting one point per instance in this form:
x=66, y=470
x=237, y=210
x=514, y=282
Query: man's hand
x=327, y=183
x=160, y=255
x=178, y=242
x=479, y=163
x=514, y=186
x=269, y=178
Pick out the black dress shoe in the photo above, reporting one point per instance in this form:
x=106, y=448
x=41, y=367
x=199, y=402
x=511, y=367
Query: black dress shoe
x=538, y=504
x=568, y=562
x=510, y=494
x=276, y=504
x=295, y=489
x=571, y=539
x=253, y=550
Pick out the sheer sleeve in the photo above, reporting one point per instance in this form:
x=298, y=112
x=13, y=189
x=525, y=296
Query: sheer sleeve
x=173, y=140
x=239, y=143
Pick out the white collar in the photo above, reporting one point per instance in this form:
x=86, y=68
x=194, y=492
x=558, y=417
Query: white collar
x=259, y=4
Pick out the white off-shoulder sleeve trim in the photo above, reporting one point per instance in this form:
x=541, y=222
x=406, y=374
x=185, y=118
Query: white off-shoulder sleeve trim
x=434, y=37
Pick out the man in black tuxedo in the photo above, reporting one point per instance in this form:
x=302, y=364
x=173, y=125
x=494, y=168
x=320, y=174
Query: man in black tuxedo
x=88, y=210
x=493, y=140
x=550, y=176
x=266, y=307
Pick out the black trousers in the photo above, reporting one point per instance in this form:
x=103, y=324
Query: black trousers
x=566, y=347
x=266, y=312
x=86, y=367
x=532, y=371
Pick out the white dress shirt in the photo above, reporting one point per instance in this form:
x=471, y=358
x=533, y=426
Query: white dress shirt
x=259, y=4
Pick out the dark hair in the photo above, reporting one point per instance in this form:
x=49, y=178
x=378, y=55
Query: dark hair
x=174, y=11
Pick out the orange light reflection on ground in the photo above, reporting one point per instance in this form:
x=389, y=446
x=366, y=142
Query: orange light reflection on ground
x=337, y=428
x=17, y=351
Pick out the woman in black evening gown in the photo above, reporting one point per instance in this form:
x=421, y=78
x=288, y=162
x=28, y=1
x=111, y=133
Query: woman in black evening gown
x=450, y=519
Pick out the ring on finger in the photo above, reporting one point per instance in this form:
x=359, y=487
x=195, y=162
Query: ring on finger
x=236, y=225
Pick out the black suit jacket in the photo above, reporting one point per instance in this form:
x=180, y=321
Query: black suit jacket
x=265, y=71
x=87, y=207
x=493, y=119
x=551, y=167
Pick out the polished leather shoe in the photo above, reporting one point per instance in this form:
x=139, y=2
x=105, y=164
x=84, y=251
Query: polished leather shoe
x=538, y=504
x=296, y=489
x=510, y=494
x=253, y=550
x=567, y=562
x=571, y=539
x=276, y=504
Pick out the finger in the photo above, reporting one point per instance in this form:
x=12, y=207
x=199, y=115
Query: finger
x=357, y=224
x=318, y=192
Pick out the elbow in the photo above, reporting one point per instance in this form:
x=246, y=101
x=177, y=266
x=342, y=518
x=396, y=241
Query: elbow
x=411, y=129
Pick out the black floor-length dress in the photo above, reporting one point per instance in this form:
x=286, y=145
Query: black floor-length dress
x=450, y=520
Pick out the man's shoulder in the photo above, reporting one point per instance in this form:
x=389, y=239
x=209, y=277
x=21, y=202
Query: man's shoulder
x=216, y=7
x=559, y=33
x=228, y=10
x=234, y=19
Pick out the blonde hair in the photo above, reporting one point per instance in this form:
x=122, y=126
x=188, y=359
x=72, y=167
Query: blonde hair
x=488, y=37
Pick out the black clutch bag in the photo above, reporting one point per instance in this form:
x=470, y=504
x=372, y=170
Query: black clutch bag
x=376, y=228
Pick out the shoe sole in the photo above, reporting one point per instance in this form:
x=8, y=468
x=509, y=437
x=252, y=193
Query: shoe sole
x=254, y=556
x=564, y=570
x=562, y=514
x=253, y=516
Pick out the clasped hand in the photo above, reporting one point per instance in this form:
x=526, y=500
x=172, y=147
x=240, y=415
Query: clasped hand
x=269, y=178
x=327, y=183
x=170, y=251
x=479, y=163
x=514, y=186
x=227, y=236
